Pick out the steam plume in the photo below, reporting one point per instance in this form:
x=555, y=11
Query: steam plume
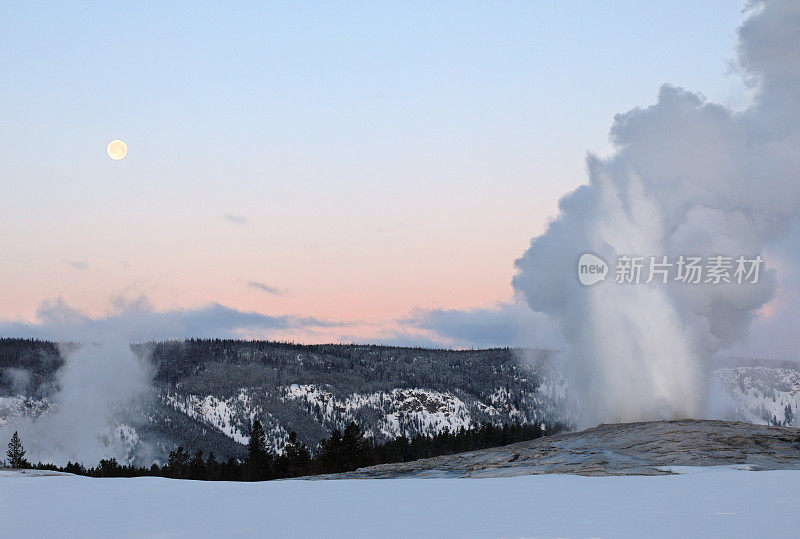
x=90, y=412
x=688, y=177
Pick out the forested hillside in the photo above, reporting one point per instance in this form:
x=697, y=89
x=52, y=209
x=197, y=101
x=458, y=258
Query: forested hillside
x=205, y=393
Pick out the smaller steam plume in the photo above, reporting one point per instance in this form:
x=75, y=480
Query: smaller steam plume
x=90, y=417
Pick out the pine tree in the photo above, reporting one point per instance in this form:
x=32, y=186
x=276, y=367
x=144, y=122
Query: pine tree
x=16, y=453
x=355, y=449
x=327, y=460
x=197, y=467
x=297, y=457
x=177, y=463
x=232, y=471
x=259, y=460
x=212, y=468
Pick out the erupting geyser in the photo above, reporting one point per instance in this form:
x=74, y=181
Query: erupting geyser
x=688, y=178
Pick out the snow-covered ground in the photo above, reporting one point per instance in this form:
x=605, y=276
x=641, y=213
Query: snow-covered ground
x=701, y=502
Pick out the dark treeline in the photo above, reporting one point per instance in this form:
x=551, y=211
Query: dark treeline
x=342, y=452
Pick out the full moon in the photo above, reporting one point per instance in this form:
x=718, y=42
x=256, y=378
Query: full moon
x=116, y=150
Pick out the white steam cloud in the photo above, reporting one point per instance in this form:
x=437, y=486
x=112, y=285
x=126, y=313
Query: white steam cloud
x=90, y=417
x=87, y=422
x=688, y=178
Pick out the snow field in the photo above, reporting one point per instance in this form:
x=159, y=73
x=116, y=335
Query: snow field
x=708, y=502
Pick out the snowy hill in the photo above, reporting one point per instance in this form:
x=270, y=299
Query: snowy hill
x=205, y=394
x=766, y=395
x=21, y=405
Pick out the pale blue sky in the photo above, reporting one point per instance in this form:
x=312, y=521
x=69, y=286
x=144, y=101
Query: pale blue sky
x=386, y=156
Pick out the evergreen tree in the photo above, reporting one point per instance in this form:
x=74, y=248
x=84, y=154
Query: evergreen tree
x=16, y=453
x=197, y=467
x=327, y=459
x=232, y=471
x=177, y=464
x=258, y=466
x=212, y=468
x=109, y=468
x=356, y=450
x=75, y=468
x=297, y=457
